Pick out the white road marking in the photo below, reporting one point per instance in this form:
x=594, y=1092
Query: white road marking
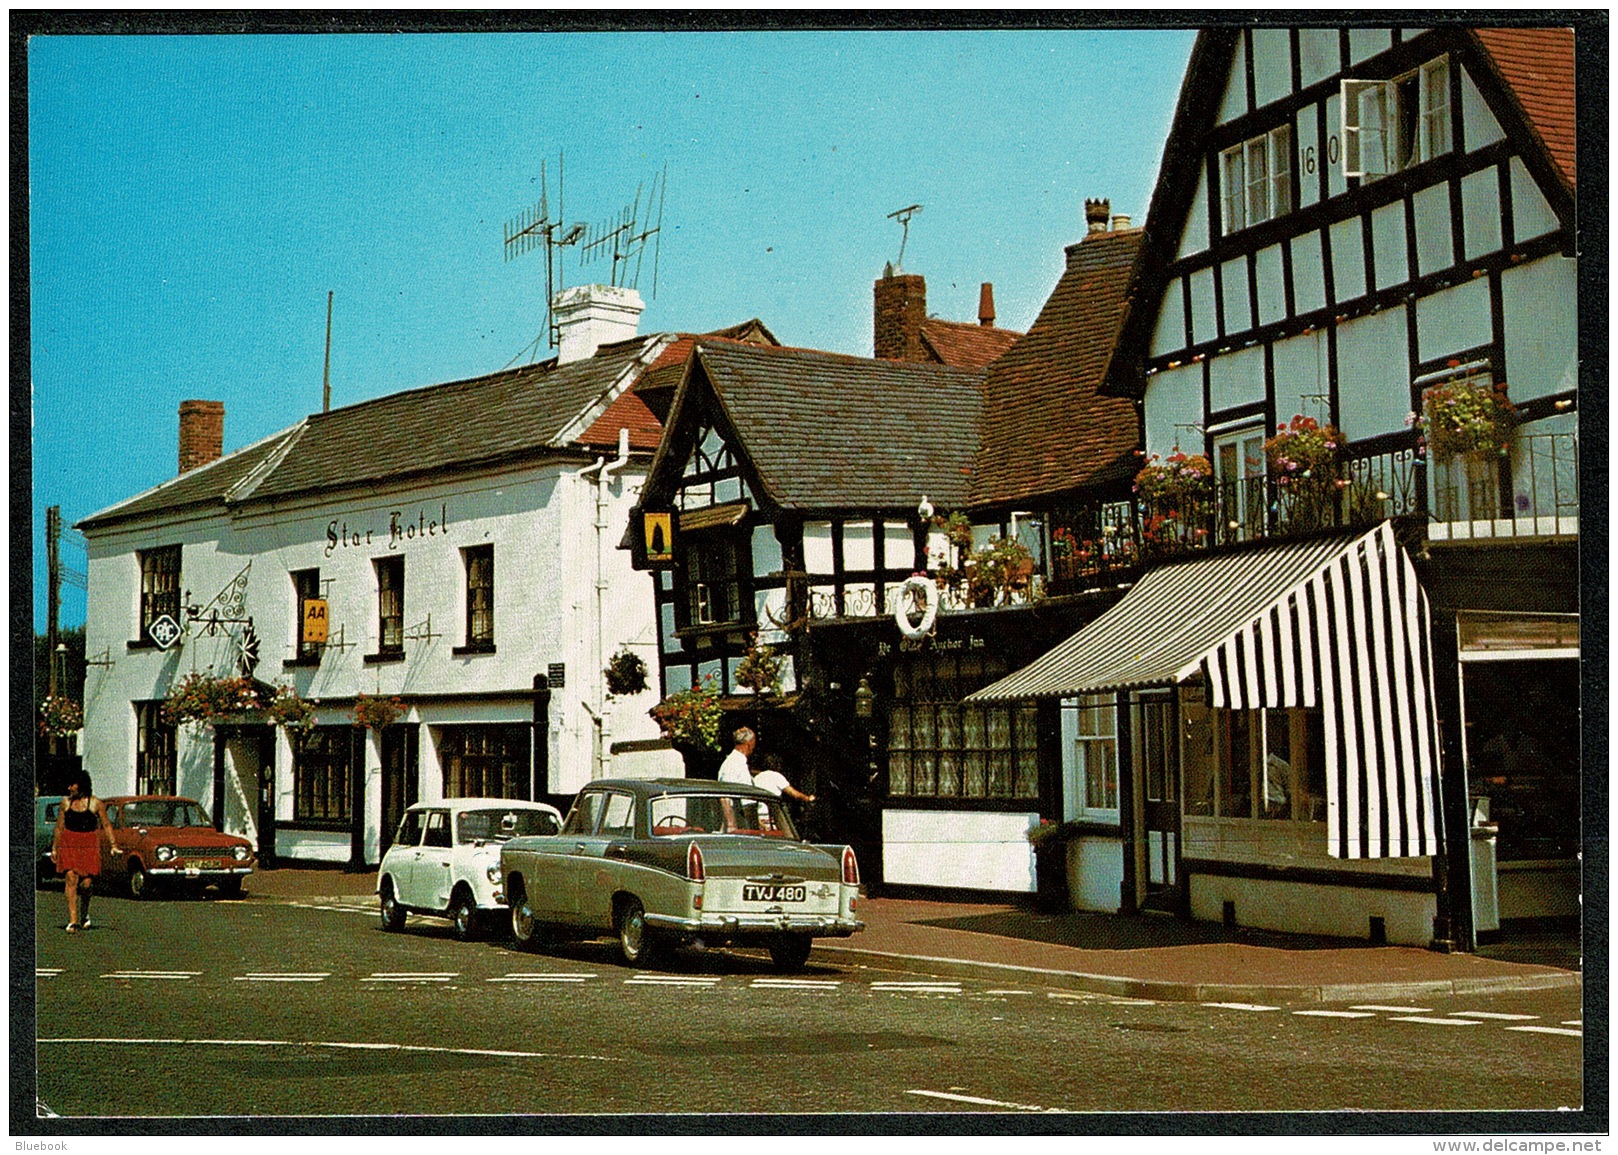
x=288, y=977
x=1134, y=1002
x=673, y=980
x=1338, y=1014
x=1436, y=1022
x=1242, y=1006
x=1008, y=992
x=1392, y=1010
x=1573, y=1022
x=944, y=987
x=410, y=977
x=334, y=1045
x=1549, y=1031
x=1493, y=1015
x=180, y=976
x=980, y=1101
x=797, y=984
x=534, y=977
x=47, y=972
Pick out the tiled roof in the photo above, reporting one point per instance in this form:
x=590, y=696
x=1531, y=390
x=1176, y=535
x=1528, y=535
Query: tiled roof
x=966, y=346
x=657, y=385
x=502, y=416
x=1046, y=429
x=627, y=412
x=1537, y=65
x=826, y=431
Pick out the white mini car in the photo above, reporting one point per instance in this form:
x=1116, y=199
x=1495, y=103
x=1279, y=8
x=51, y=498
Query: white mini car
x=445, y=859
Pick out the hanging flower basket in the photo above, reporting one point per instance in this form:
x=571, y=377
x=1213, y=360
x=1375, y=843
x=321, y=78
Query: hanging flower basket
x=1467, y=419
x=691, y=718
x=1303, y=464
x=206, y=700
x=1177, y=482
x=287, y=709
x=625, y=674
x=377, y=713
x=760, y=670
x=59, y=716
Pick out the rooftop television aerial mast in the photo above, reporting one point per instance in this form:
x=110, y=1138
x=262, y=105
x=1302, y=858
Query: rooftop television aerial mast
x=536, y=227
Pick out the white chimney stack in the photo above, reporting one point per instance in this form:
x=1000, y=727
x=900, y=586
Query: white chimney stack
x=590, y=316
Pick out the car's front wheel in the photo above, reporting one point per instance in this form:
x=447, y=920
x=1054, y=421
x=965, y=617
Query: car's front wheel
x=393, y=915
x=464, y=913
x=524, y=927
x=636, y=941
x=140, y=886
x=790, y=951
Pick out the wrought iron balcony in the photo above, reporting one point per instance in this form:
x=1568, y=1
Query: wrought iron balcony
x=1533, y=491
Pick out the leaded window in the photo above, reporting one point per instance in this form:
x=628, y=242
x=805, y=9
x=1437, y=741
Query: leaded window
x=479, y=595
x=154, y=750
x=322, y=775
x=489, y=761
x=942, y=747
x=159, y=587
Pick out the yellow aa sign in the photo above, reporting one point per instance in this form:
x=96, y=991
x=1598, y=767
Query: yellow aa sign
x=315, y=621
x=659, y=530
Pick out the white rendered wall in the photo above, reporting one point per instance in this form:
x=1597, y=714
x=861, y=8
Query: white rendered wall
x=1173, y=404
x=966, y=849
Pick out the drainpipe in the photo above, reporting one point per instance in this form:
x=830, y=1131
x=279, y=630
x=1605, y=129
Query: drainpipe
x=603, y=482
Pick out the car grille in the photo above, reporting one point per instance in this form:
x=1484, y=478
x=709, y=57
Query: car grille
x=205, y=852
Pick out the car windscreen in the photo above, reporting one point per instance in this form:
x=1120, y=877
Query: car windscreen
x=153, y=812
x=676, y=815
x=496, y=824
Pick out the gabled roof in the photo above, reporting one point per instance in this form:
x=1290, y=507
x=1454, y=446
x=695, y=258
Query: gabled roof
x=1046, y=428
x=516, y=414
x=657, y=385
x=963, y=345
x=1537, y=66
x=825, y=431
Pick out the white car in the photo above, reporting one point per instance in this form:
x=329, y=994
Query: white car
x=445, y=859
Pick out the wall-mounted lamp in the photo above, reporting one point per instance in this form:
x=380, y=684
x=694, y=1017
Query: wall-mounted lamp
x=864, y=698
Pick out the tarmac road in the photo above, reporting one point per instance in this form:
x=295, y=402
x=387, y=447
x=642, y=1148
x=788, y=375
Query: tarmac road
x=289, y=1008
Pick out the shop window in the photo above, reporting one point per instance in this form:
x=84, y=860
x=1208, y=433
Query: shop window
x=940, y=747
x=159, y=587
x=1256, y=179
x=1197, y=754
x=1236, y=764
x=713, y=579
x=1390, y=125
x=1269, y=764
x=479, y=561
x=322, y=767
x=390, y=606
x=485, y=761
x=1091, y=777
x=305, y=589
x=154, y=750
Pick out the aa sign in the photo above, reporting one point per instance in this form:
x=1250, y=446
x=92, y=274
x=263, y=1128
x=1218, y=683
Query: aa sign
x=659, y=530
x=315, y=621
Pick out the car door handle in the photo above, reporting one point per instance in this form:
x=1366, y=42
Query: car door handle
x=617, y=850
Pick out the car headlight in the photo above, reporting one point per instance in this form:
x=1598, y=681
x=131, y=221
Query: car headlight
x=165, y=853
x=494, y=873
x=240, y=853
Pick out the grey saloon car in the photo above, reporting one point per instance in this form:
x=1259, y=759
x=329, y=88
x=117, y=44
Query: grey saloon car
x=667, y=861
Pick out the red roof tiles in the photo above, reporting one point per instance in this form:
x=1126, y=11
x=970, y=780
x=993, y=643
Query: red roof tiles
x=1537, y=65
x=962, y=345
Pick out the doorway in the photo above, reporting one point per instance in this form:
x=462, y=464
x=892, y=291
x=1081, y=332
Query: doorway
x=401, y=757
x=1156, y=750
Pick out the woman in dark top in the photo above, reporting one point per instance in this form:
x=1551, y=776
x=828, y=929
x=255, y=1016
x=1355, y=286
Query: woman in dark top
x=76, y=847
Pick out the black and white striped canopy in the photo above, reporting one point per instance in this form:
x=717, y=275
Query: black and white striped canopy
x=1340, y=625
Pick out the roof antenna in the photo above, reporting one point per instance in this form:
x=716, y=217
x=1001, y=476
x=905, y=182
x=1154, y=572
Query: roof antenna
x=535, y=227
x=325, y=393
x=624, y=238
x=903, y=217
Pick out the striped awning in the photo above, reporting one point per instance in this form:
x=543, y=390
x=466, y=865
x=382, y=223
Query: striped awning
x=1340, y=625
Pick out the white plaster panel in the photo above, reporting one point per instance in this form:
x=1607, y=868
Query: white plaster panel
x=1173, y=400
x=817, y=556
x=671, y=644
x=1304, y=908
x=766, y=551
x=1168, y=335
x=1364, y=43
x=1319, y=55
x=1348, y=259
x=1336, y=182
x=1373, y=374
x=1453, y=319
x=1435, y=248
x=966, y=849
x=1480, y=212
x=1308, y=273
x=1095, y=873
x=1272, y=286
x=898, y=546
x=1388, y=245
x=1234, y=102
x=1272, y=64
x=1194, y=237
x=1237, y=301
x=858, y=551
x=1541, y=318
x=1301, y=376
x=1204, y=326
x=727, y=489
x=1236, y=378
x=1480, y=127
x=1306, y=143
x=1531, y=214
x=677, y=678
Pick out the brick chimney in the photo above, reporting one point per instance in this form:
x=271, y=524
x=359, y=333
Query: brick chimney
x=1096, y=214
x=986, y=305
x=590, y=316
x=202, y=433
x=901, y=307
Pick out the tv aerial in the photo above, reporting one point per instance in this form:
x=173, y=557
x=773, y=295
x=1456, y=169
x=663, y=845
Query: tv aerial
x=903, y=217
x=624, y=238
x=535, y=228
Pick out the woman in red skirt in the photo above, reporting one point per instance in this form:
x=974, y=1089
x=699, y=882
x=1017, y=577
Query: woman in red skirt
x=76, y=848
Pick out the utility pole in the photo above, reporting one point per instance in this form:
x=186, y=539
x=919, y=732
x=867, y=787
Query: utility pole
x=53, y=585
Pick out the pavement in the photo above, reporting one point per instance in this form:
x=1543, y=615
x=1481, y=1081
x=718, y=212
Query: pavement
x=1148, y=956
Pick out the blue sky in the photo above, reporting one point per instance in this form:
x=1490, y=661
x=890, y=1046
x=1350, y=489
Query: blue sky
x=193, y=199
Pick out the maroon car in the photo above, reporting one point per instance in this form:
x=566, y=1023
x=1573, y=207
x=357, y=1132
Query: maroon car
x=159, y=838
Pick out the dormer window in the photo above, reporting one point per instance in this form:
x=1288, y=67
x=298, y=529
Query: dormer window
x=1256, y=179
x=1390, y=125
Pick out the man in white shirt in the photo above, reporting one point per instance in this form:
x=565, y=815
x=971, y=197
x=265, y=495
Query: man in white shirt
x=734, y=768
x=769, y=777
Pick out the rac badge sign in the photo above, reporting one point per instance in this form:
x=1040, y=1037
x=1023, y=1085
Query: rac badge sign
x=164, y=631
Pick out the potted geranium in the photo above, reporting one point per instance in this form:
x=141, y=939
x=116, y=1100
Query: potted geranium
x=625, y=674
x=1174, y=492
x=760, y=670
x=691, y=720
x=377, y=713
x=289, y=710
x=996, y=571
x=1302, y=460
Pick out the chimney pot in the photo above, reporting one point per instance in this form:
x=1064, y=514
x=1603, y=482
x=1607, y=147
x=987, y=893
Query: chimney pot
x=901, y=307
x=986, y=304
x=1096, y=213
x=202, y=433
x=1120, y=222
